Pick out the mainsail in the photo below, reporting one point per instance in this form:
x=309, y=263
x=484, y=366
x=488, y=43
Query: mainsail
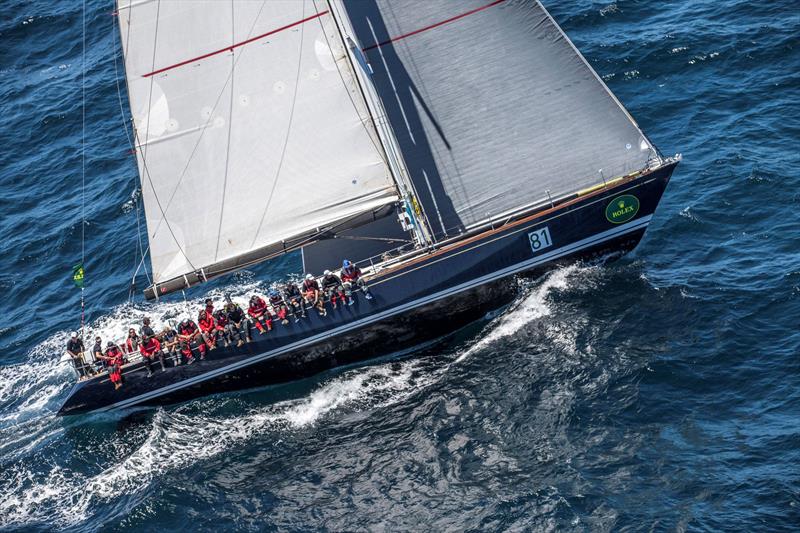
x=251, y=131
x=493, y=107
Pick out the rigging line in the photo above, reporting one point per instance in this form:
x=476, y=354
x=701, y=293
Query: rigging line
x=230, y=125
x=116, y=79
x=147, y=136
x=205, y=126
x=139, y=237
x=152, y=82
x=83, y=160
x=137, y=203
x=381, y=152
x=288, y=129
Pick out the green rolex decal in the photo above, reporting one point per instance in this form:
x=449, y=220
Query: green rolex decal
x=622, y=208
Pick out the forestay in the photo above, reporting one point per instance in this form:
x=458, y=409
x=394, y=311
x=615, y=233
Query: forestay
x=251, y=129
x=493, y=107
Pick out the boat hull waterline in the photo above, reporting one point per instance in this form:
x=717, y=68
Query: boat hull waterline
x=422, y=300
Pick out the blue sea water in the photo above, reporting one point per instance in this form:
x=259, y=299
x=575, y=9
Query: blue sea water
x=660, y=392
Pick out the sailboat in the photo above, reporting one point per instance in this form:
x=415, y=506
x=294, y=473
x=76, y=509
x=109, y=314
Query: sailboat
x=444, y=146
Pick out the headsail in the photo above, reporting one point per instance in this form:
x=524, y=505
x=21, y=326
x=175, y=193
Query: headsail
x=493, y=107
x=251, y=130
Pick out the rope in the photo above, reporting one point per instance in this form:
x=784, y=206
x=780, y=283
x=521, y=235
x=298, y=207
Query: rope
x=136, y=202
x=83, y=164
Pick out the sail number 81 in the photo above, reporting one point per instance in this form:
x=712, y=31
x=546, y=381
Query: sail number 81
x=540, y=239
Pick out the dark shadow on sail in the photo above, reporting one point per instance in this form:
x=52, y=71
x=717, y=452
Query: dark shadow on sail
x=402, y=99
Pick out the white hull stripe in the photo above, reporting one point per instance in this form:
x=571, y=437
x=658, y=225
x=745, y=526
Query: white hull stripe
x=514, y=269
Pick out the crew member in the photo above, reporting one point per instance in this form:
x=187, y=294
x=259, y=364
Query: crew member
x=278, y=305
x=223, y=327
x=238, y=322
x=332, y=288
x=132, y=342
x=97, y=351
x=146, y=329
x=150, y=349
x=313, y=295
x=260, y=312
x=294, y=298
x=207, y=328
x=352, y=280
x=190, y=337
x=169, y=343
x=114, y=360
x=75, y=350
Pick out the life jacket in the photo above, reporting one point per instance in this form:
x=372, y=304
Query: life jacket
x=188, y=329
x=221, y=319
x=257, y=307
x=351, y=273
x=276, y=300
x=310, y=284
x=116, y=356
x=149, y=348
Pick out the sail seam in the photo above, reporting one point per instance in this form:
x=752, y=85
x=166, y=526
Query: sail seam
x=235, y=45
x=230, y=126
x=288, y=128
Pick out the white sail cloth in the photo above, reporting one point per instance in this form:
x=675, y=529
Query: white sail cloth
x=250, y=127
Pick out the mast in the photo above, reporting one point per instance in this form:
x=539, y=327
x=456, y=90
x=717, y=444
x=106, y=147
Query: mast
x=414, y=210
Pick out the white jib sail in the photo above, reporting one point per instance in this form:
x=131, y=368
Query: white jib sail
x=250, y=126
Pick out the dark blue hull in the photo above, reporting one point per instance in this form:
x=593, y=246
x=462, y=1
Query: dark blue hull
x=424, y=298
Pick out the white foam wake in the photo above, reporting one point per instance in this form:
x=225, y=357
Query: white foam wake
x=182, y=438
x=534, y=305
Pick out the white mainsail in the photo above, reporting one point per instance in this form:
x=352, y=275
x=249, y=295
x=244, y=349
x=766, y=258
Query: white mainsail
x=251, y=128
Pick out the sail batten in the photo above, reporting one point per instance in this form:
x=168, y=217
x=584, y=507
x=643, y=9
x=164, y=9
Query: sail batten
x=251, y=129
x=492, y=105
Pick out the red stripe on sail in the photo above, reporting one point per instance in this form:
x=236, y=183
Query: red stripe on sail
x=237, y=45
x=436, y=25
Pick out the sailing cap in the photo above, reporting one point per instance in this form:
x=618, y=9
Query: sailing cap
x=345, y=263
x=327, y=272
x=309, y=276
x=74, y=335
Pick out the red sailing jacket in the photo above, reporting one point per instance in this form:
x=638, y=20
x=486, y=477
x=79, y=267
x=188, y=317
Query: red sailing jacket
x=149, y=348
x=351, y=274
x=258, y=308
x=115, y=356
x=207, y=324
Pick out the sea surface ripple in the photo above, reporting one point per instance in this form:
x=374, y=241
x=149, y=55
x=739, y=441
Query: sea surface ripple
x=661, y=392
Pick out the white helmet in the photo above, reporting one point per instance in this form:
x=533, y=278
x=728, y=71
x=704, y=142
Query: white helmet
x=327, y=272
x=309, y=276
x=74, y=335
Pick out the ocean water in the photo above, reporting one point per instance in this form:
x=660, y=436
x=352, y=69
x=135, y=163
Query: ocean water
x=660, y=392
